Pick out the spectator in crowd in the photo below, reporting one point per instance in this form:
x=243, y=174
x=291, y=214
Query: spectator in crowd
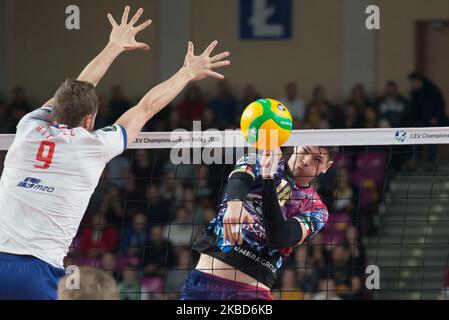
x=112, y=206
x=118, y=103
x=347, y=279
x=359, y=97
x=7, y=125
x=427, y=102
x=293, y=102
x=371, y=118
x=19, y=105
x=208, y=121
x=307, y=273
x=129, y=287
x=225, y=106
x=171, y=188
x=94, y=284
x=159, y=254
x=109, y=264
x=176, y=276
x=353, y=117
x=315, y=119
x=289, y=289
x=117, y=171
x=391, y=106
x=135, y=236
x=329, y=110
x=98, y=237
x=202, y=185
x=103, y=118
x=182, y=230
x=327, y=290
x=158, y=209
x=250, y=95
x=191, y=108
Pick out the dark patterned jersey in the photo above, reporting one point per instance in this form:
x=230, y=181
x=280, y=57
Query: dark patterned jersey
x=254, y=257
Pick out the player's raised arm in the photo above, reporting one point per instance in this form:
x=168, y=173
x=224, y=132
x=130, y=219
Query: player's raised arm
x=122, y=38
x=280, y=232
x=195, y=68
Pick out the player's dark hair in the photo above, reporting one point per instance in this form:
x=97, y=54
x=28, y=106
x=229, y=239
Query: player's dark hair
x=73, y=101
x=332, y=151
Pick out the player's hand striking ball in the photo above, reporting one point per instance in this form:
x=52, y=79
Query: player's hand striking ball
x=269, y=163
x=123, y=35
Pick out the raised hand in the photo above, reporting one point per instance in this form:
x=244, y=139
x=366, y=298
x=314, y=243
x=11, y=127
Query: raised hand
x=202, y=66
x=124, y=34
x=269, y=162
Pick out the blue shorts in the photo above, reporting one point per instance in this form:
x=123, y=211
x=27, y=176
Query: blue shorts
x=27, y=278
x=203, y=286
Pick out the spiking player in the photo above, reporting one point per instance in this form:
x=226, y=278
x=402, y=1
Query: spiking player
x=269, y=208
x=56, y=160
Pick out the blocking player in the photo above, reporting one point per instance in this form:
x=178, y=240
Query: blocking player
x=269, y=208
x=55, y=162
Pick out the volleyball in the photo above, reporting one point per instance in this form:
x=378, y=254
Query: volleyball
x=266, y=124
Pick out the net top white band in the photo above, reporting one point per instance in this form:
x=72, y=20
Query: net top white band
x=332, y=137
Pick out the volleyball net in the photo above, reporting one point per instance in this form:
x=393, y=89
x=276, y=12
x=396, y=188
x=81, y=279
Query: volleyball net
x=387, y=236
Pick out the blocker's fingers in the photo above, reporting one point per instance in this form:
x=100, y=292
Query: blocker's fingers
x=136, y=17
x=191, y=48
x=227, y=231
x=112, y=20
x=125, y=15
x=210, y=48
x=143, y=26
x=215, y=75
x=220, y=64
x=220, y=56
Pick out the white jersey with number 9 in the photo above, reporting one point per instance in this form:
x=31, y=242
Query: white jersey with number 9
x=49, y=175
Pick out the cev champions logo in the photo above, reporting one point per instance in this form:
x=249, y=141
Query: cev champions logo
x=400, y=136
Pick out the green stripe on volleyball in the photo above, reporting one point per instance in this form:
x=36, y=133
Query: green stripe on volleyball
x=266, y=124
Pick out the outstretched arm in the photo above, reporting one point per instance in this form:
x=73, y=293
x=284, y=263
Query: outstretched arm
x=195, y=68
x=122, y=38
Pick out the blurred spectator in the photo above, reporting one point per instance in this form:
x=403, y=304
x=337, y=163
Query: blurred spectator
x=315, y=119
x=98, y=237
x=135, y=236
x=19, y=105
x=225, y=106
x=203, y=188
x=129, y=287
x=427, y=102
x=109, y=264
x=293, y=102
x=176, y=276
x=353, y=117
x=330, y=111
x=328, y=290
x=103, y=118
x=171, y=188
x=159, y=254
x=208, y=120
x=250, y=95
x=7, y=125
x=182, y=231
x=391, y=106
x=158, y=210
x=359, y=97
x=112, y=206
x=371, y=118
x=307, y=273
x=118, y=104
x=118, y=171
x=289, y=287
x=347, y=279
x=191, y=108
